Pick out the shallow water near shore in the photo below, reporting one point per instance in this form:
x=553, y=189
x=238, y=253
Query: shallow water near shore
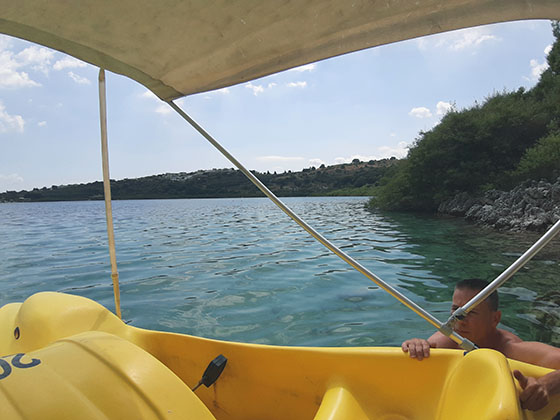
x=241, y=270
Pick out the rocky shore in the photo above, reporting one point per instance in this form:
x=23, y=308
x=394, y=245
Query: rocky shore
x=532, y=205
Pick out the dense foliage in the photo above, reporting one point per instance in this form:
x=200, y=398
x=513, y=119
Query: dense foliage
x=511, y=137
x=356, y=178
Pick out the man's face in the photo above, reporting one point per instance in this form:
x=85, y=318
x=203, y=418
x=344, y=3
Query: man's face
x=480, y=322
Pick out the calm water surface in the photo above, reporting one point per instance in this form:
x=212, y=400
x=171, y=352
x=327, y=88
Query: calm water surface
x=239, y=269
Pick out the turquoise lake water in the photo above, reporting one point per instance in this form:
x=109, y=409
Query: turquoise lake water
x=241, y=270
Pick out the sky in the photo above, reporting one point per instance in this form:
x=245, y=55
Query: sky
x=367, y=105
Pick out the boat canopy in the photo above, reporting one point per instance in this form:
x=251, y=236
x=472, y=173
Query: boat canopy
x=181, y=47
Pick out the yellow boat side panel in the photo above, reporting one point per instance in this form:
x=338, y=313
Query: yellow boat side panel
x=93, y=375
x=143, y=373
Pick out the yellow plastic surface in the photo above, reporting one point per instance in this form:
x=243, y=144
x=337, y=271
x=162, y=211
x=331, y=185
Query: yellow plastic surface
x=339, y=403
x=94, y=375
x=95, y=366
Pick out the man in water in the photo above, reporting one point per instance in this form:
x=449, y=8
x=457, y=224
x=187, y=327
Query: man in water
x=480, y=326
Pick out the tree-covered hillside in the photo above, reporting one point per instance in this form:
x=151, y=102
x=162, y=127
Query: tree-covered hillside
x=356, y=178
x=509, y=138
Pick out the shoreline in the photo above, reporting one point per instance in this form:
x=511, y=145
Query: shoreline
x=530, y=206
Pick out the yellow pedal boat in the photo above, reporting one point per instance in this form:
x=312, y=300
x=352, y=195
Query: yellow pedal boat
x=67, y=357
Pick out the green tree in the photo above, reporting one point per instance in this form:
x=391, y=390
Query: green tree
x=486, y=146
x=541, y=161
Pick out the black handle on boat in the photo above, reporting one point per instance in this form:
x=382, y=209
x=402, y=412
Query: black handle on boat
x=212, y=372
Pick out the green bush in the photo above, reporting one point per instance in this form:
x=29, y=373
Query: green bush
x=541, y=161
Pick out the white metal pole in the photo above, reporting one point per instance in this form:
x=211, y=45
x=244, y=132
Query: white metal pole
x=107, y=191
x=463, y=342
x=506, y=275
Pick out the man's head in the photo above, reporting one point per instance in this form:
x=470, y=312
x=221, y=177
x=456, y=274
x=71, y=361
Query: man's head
x=477, y=285
x=480, y=324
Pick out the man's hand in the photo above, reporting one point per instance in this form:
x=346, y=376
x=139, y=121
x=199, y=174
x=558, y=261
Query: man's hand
x=534, y=395
x=417, y=348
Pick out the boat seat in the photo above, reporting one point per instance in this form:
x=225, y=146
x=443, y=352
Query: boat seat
x=93, y=375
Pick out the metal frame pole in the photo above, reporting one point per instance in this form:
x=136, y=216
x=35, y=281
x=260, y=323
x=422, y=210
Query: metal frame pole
x=464, y=343
x=462, y=312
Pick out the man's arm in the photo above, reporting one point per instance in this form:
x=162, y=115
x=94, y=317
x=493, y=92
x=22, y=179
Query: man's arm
x=419, y=348
x=536, y=391
x=533, y=352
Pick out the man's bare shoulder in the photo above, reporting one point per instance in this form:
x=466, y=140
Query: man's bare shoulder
x=507, y=338
x=533, y=352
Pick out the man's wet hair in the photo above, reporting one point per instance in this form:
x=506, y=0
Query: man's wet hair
x=477, y=285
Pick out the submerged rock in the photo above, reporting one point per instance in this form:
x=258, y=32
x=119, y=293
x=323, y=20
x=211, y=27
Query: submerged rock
x=532, y=205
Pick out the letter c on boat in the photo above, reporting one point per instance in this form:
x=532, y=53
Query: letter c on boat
x=6, y=369
x=16, y=361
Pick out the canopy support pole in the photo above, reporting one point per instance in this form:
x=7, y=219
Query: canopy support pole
x=463, y=342
x=107, y=191
x=463, y=311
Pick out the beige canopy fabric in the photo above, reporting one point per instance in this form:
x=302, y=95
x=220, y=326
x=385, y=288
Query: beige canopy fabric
x=181, y=47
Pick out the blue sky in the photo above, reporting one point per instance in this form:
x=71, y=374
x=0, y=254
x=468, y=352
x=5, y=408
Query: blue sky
x=367, y=105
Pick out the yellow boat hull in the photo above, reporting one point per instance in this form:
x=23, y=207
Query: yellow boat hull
x=68, y=357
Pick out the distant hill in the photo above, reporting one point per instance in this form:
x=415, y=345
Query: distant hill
x=356, y=178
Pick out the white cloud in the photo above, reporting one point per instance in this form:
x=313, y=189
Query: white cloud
x=42, y=123
x=14, y=67
x=213, y=93
x=78, y=79
x=443, y=108
x=164, y=109
x=149, y=95
x=362, y=158
x=399, y=151
x=222, y=91
x=471, y=40
x=297, y=84
x=306, y=67
x=10, y=122
x=10, y=76
x=10, y=182
x=68, y=63
x=537, y=69
x=39, y=58
x=316, y=162
x=420, y=112
x=383, y=152
x=459, y=40
x=257, y=89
